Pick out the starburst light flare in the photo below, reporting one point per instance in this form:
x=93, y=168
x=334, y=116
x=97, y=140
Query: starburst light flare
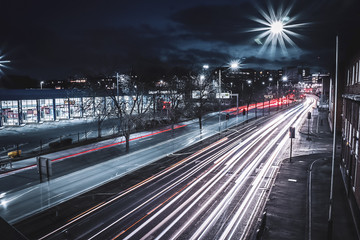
x=276, y=29
x=2, y=64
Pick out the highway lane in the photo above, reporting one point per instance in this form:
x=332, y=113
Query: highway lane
x=168, y=179
x=22, y=195
x=207, y=195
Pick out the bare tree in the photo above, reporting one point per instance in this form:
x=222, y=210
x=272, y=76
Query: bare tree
x=131, y=111
x=175, y=94
x=95, y=105
x=203, y=97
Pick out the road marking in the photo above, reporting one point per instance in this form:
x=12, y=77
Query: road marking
x=130, y=189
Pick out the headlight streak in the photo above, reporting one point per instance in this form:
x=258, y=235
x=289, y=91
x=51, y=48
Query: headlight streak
x=103, y=204
x=206, y=186
x=214, y=195
x=221, y=152
x=231, y=226
x=151, y=179
x=198, y=179
x=9, y=198
x=272, y=174
x=271, y=125
x=223, y=204
x=206, y=225
x=183, y=177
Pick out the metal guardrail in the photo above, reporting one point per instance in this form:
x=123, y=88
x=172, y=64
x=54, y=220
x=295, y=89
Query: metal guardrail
x=262, y=228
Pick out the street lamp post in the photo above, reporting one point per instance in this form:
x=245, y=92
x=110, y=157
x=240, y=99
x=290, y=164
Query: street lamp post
x=117, y=87
x=41, y=84
x=220, y=100
x=233, y=65
x=277, y=94
x=237, y=104
x=330, y=220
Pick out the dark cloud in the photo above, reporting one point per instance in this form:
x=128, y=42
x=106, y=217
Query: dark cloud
x=54, y=39
x=215, y=23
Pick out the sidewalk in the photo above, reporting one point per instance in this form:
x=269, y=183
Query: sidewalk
x=298, y=205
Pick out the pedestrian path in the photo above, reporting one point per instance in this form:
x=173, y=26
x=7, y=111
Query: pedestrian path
x=298, y=205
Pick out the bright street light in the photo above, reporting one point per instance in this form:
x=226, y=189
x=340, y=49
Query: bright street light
x=206, y=66
x=285, y=78
x=234, y=64
x=275, y=29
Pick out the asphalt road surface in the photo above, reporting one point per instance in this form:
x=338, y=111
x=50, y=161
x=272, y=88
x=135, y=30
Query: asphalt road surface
x=214, y=193
x=78, y=170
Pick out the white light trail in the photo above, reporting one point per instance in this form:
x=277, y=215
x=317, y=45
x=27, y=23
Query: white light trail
x=211, y=220
x=165, y=171
x=247, y=144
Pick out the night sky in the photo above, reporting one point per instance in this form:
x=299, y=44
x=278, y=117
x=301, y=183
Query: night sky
x=56, y=39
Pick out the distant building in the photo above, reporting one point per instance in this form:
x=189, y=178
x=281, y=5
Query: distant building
x=297, y=74
x=235, y=80
x=20, y=106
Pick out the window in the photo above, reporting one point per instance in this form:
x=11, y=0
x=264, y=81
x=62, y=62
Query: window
x=357, y=73
x=353, y=75
x=10, y=112
x=29, y=111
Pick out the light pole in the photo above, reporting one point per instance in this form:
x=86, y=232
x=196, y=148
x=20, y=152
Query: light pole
x=235, y=64
x=330, y=220
x=237, y=104
x=117, y=87
x=41, y=84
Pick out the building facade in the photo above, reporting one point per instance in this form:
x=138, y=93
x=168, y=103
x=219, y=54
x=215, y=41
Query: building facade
x=19, y=107
x=350, y=160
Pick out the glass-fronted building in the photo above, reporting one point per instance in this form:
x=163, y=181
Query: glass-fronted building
x=18, y=107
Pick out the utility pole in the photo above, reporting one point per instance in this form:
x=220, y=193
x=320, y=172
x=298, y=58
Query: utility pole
x=117, y=87
x=220, y=100
x=308, y=117
x=330, y=221
x=292, y=135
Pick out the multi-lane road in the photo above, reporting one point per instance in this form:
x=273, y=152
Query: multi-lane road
x=215, y=193
x=78, y=170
